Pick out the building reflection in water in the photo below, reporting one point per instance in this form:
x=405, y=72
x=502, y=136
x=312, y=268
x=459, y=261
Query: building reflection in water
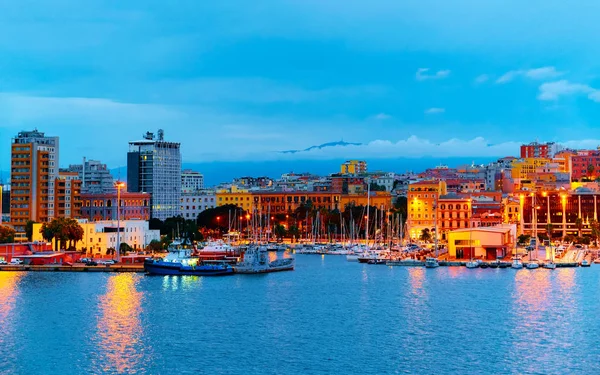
x=418, y=309
x=9, y=290
x=119, y=328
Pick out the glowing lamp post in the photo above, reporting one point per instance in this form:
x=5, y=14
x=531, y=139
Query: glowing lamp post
x=119, y=185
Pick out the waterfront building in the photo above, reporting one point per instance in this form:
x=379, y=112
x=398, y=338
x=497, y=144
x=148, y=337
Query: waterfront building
x=454, y=212
x=10, y=250
x=192, y=203
x=354, y=167
x=154, y=166
x=95, y=177
x=191, y=181
x=540, y=150
x=379, y=199
x=99, y=236
x=422, y=200
x=488, y=243
x=236, y=196
x=103, y=206
x=567, y=212
x=288, y=202
x=67, y=195
x=34, y=171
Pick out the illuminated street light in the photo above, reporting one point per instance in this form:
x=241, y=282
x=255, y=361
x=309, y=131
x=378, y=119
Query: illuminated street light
x=119, y=185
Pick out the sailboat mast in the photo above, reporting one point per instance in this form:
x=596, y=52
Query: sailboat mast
x=368, y=205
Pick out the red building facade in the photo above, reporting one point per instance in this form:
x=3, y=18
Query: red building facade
x=97, y=207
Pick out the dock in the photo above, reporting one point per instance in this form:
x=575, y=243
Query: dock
x=74, y=268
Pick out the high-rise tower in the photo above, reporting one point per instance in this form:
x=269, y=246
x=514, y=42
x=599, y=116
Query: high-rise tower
x=34, y=171
x=154, y=166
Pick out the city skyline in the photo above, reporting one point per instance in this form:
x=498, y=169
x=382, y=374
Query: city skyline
x=401, y=82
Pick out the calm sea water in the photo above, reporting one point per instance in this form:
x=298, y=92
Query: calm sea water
x=329, y=316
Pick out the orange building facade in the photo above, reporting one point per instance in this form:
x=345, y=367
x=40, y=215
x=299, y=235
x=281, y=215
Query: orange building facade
x=67, y=195
x=34, y=169
x=422, y=199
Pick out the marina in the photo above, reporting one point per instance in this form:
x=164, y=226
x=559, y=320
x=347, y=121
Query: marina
x=123, y=322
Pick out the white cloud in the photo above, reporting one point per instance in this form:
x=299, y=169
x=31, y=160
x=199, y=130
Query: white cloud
x=382, y=116
x=482, y=79
x=507, y=77
x=422, y=74
x=546, y=72
x=554, y=90
x=434, y=110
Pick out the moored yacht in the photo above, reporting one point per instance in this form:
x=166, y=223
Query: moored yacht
x=516, y=264
x=431, y=263
x=179, y=261
x=256, y=260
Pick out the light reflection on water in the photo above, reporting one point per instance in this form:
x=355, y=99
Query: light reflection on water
x=119, y=328
x=329, y=316
x=9, y=292
x=543, y=309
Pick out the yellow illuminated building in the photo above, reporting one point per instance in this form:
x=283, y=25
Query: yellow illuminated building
x=354, y=167
x=527, y=168
x=422, y=197
x=378, y=199
x=239, y=197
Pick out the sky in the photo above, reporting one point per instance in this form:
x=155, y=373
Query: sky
x=237, y=80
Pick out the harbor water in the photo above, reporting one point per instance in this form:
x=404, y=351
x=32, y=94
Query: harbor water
x=329, y=316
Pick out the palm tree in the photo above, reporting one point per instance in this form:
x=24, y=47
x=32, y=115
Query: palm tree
x=595, y=227
x=579, y=225
x=549, y=230
x=74, y=231
x=425, y=235
x=590, y=171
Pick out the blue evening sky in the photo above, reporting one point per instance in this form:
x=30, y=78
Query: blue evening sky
x=239, y=80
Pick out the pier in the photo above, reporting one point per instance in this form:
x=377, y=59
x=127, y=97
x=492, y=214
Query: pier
x=74, y=268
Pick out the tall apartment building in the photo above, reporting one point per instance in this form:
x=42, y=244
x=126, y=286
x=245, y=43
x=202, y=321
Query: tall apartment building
x=154, y=166
x=95, y=177
x=540, y=150
x=191, y=181
x=34, y=171
x=67, y=195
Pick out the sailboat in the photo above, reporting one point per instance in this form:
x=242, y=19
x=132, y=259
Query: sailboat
x=431, y=262
x=472, y=263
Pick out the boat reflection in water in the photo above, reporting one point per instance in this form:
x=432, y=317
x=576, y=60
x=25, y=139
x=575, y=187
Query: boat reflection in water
x=119, y=327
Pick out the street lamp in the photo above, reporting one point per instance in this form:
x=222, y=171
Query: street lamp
x=119, y=185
